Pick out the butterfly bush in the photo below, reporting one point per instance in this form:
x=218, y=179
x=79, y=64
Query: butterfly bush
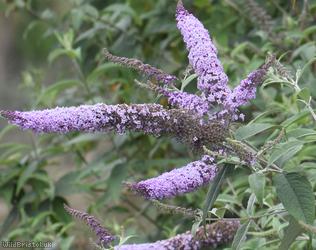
x=197, y=120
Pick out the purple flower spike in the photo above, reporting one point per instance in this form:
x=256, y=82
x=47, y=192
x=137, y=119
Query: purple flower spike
x=212, y=236
x=138, y=65
x=187, y=101
x=212, y=79
x=246, y=90
x=105, y=238
x=149, y=118
x=178, y=181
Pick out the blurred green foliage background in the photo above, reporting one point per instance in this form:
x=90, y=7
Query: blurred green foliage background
x=51, y=55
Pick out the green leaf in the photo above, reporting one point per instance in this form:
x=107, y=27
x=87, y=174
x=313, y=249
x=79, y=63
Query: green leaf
x=257, y=183
x=40, y=217
x=309, y=52
x=8, y=221
x=291, y=232
x=250, y=205
x=67, y=184
x=71, y=53
x=187, y=81
x=213, y=191
x=101, y=167
x=44, y=178
x=26, y=174
x=49, y=94
x=114, y=182
x=285, y=151
x=55, y=54
x=296, y=195
x=304, y=94
x=251, y=130
x=59, y=211
x=6, y=130
x=309, y=30
x=299, y=117
x=195, y=227
x=83, y=138
x=65, y=243
x=240, y=235
x=30, y=27
x=228, y=199
x=277, y=80
x=101, y=70
x=47, y=14
x=300, y=132
x=240, y=49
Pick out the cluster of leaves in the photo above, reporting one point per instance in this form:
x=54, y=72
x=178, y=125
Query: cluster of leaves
x=276, y=203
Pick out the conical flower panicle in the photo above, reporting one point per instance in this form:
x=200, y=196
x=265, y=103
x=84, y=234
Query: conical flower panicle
x=246, y=90
x=178, y=181
x=105, y=238
x=138, y=65
x=212, y=79
x=149, y=118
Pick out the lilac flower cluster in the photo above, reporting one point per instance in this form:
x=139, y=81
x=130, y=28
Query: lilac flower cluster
x=212, y=79
x=149, y=118
x=138, y=65
x=105, y=238
x=246, y=90
x=178, y=181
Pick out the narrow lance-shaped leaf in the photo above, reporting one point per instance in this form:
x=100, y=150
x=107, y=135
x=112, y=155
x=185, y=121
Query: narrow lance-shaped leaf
x=213, y=191
x=290, y=234
x=296, y=195
x=251, y=130
x=251, y=204
x=240, y=235
x=257, y=183
x=285, y=151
